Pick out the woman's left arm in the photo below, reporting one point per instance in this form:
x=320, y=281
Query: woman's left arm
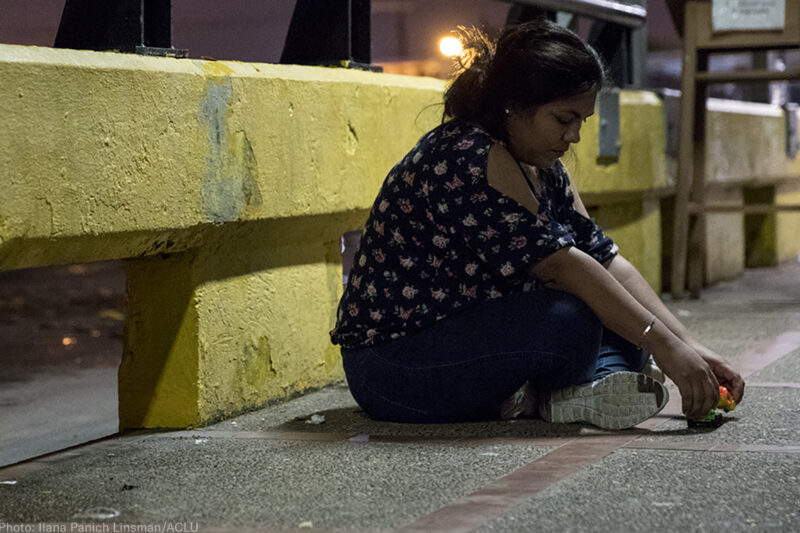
x=630, y=278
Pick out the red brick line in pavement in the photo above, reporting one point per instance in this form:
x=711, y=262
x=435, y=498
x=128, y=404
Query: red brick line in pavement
x=767, y=353
x=363, y=438
x=625, y=439
x=474, y=510
x=710, y=447
x=263, y=435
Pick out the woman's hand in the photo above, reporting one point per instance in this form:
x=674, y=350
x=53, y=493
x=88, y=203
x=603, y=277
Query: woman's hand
x=572, y=270
x=726, y=375
x=637, y=286
x=694, y=377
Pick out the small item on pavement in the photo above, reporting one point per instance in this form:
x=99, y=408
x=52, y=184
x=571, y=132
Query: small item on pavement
x=714, y=418
x=316, y=419
x=726, y=401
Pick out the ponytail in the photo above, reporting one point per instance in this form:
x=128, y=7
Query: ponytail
x=466, y=93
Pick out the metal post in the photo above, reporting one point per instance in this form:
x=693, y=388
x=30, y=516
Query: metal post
x=330, y=32
x=138, y=26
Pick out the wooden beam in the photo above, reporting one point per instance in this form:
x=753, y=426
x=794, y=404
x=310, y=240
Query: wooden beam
x=745, y=76
x=753, y=209
x=680, y=233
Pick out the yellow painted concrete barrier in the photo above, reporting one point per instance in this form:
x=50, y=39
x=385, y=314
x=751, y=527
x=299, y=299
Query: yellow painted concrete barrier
x=226, y=188
x=747, y=163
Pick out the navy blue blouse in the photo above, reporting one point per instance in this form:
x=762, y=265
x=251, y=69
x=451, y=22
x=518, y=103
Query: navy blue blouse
x=440, y=239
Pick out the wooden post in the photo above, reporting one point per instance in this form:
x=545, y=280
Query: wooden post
x=697, y=221
x=685, y=150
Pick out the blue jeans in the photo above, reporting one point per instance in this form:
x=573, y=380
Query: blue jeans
x=464, y=366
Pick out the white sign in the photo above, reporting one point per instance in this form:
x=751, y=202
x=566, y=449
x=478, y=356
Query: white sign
x=728, y=15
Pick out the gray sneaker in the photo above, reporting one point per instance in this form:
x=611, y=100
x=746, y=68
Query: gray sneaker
x=616, y=401
x=521, y=403
x=651, y=369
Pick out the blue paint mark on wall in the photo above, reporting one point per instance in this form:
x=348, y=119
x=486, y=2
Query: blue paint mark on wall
x=230, y=180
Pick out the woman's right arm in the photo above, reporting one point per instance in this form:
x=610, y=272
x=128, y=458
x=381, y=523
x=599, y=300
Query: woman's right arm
x=571, y=270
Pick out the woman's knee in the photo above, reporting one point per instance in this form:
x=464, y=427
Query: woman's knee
x=570, y=309
x=578, y=329
x=549, y=317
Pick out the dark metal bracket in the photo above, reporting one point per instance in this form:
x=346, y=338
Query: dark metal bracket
x=330, y=33
x=790, y=118
x=136, y=26
x=671, y=104
x=608, y=140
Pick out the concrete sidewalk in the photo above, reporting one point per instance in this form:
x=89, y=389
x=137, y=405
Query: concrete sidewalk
x=275, y=469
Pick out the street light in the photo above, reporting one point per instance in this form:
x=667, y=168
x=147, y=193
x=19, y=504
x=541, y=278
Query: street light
x=450, y=46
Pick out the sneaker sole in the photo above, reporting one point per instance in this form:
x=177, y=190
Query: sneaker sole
x=616, y=401
x=522, y=402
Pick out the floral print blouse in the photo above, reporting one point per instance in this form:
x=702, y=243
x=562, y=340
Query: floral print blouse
x=440, y=239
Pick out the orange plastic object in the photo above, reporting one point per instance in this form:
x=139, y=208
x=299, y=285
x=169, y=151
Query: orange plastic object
x=726, y=401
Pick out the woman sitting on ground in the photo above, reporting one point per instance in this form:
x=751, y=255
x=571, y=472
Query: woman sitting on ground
x=482, y=289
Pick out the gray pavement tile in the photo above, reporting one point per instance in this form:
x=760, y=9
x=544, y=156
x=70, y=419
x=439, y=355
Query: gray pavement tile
x=56, y=409
x=785, y=369
x=731, y=331
x=644, y=490
x=776, y=283
x=232, y=482
x=332, y=397
x=732, y=317
x=356, y=422
x=766, y=416
x=342, y=415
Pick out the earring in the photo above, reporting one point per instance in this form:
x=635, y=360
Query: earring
x=508, y=111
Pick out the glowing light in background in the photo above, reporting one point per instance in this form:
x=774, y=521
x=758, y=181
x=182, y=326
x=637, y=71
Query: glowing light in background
x=450, y=46
x=69, y=341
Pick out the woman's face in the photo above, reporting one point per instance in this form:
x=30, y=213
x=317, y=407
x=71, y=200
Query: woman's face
x=540, y=135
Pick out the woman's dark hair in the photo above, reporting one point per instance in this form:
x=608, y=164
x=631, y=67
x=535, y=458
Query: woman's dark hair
x=532, y=64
